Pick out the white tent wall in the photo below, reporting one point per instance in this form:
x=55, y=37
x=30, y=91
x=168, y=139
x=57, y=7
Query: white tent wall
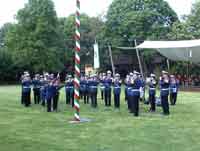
x=187, y=50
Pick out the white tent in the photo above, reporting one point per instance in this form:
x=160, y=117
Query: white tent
x=187, y=50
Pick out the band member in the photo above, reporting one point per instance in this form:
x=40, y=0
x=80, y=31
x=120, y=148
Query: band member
x=135, y=93
x=107, y=92
x=69, y=88
x=83, y=87
x=117, y=90
x=93, y=84
x=36, y=88
x=87, y=91
x=128, y=85
x=164, y=85
x=173, y=89
x=49, y=93
x=43, y=82
x=21, y=78
x=102, y=88
x=152, y=92
x=26, y=89
x=56, y=87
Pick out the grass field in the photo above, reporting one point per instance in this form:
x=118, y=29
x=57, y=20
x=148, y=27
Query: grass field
x=32, y=129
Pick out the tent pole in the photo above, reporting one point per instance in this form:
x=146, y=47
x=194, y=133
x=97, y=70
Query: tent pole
x=111, y=59
x=139, y=61
x=168, y=65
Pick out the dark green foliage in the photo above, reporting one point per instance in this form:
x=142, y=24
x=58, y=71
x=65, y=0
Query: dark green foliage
x=35, y=41
x=139, y=19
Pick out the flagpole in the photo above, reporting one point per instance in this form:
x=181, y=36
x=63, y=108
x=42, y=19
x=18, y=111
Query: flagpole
x=77, y=63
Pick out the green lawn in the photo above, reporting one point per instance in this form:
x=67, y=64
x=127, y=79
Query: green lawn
x=32, y=129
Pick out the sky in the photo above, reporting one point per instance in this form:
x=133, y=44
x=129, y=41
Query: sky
x=8, y=8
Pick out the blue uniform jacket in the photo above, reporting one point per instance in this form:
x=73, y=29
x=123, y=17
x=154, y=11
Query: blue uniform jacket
x=36, y=84
x=128, y=86
x=43, y=90
x=117, y=87
x=93, y=85
x=164, y=88
x=135, y=89
x=50, y=91
x=26, y=86
x=83, y=84
x=173, y=87
x=107, y=84
x=69, y=87
x=152, y=89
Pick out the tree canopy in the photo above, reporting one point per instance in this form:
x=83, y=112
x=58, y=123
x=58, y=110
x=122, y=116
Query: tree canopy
x=139, y=19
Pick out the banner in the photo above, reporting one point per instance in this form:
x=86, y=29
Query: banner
x=96, y=56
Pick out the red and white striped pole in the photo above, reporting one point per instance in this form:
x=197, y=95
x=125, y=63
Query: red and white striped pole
x=77, y=64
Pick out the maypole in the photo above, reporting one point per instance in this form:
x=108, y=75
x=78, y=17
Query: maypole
x=77, y=63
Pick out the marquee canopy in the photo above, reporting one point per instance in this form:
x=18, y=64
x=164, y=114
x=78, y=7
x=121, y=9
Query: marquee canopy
x=187, y=50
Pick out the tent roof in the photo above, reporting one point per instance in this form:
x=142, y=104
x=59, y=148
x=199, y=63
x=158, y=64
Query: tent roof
x=186, y=50
x=169, y=44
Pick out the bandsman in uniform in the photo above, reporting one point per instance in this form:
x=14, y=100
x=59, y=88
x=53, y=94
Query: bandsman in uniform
x=50, y=92
x=87, y=91
x=128, y=86
x=173, y=89
x=93, y=85
x=117, y=90
x=69, y=89
x=101, y=78
x=164, y=88
x=136, y=83
x=56, y=86
x=36, y=88
x=26, y=89
x=44, y=84
x=107, y=91
x=81, y=86
x=84, y=89
x=152, y=92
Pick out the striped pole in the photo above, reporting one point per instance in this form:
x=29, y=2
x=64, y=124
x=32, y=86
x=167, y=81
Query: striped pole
x=77, y=64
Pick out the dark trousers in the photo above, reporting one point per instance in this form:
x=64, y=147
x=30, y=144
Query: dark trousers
x=173, y=98
x=135, y=105
x=85, y=97
x=26, y=97
x=107, y=97
x=126, y=95
x=49, y=101
x=165, y=104
x=102, y=94
x=129, y=102
x=94, y=99
x=117, y=100
x=36, y=92
x=81, y=94
x=67, y=97
x=152, y=101
x=55, y=101
x=72, y=98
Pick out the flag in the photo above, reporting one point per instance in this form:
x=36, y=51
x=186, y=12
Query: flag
x=190, y=54
x=96, y=56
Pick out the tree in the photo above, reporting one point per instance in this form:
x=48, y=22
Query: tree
x=91, y=29
x=138, y=19
x=35, y=41
x=180, y=31
x=193, y=20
